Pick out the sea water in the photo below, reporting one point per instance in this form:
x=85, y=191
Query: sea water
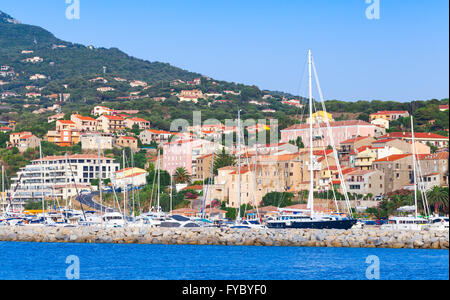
x=156, y=262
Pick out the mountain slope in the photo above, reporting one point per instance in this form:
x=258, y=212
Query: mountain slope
x=73, y=59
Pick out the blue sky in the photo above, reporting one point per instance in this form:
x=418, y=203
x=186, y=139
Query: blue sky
x=403, y=56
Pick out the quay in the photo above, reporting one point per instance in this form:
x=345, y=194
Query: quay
x=355, y=238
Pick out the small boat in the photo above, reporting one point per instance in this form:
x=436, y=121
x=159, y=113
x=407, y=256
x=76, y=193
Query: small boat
x=113, y=219
x=405, y=223
x=439, y=223
x=180, y=222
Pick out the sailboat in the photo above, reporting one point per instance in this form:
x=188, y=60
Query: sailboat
x=309, y=219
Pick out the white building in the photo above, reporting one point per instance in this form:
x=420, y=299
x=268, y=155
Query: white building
x=130, y=177
x=36, y=179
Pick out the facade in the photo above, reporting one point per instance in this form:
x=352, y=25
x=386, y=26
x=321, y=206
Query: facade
x=128, y=142
x=38, y=179
x=340, y=131
x=190, y=95
x=425, y=138
x=351, y=145
x=364, y=182
x=398, y=171
x=110, y=124
x=130, y=177
x=23, y=141
x=84, y=124
x=389, y=115
x=102, y=110
x=402, y=145
x=143, y=124
x=320, y=117
x=159, y=136
x=381, y=122
x=89, y=141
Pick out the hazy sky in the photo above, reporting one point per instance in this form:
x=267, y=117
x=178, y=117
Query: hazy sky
x=402, y=56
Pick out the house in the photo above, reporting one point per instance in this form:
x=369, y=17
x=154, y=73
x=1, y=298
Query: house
x=90, y=141
x=364, y=182
x=98, y=80
x=9, y=94
x=130, y=177
x=320, y=117
x=433, y=164
x=398, y=171
x=350, y=145
x=84, y=124
x=340, y=131
x=37, y=77
x=384, y=123
x=403, y=145
x=364, y=157
x=33, y=60
x=389, y=115
x=426, y=138
x=149, y=136
x=143, y=124
x=443, y=107
x=110, y=124
x=102, y=110
x=293, y=102
x=203, y=170
x=137, y=83
x=6, y=129
x=23, y=141
x=190, y=95
x=55, y=118
x=128, y=142
x=105, y=89
x=196, y=81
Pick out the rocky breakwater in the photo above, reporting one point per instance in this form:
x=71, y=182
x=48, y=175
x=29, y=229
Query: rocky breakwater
x=358, y=238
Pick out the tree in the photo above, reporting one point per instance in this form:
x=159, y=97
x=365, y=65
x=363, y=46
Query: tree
x=182, y=176
x=278, y=199
x=438, y=199
x=223, y=160
x=300, y=143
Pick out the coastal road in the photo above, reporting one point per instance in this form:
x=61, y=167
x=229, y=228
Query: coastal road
x=88, y=200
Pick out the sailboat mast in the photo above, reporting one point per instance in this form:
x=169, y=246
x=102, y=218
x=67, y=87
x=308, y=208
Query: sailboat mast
x=239, y=164
x=3, y=188
x=43, y=179
x=124, y=186
x=414, y=166
x=311, y=171
x=100, y=175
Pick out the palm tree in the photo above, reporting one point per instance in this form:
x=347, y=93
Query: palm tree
x=182, y=176
x=438, y=198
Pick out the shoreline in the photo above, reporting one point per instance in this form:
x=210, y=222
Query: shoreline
x=355, y=238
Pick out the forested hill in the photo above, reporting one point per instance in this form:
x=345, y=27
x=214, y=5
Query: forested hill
x=63, y=60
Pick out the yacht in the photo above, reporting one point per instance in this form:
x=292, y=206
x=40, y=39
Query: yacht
x=113, y=219
x=439, y=223
x=300, y=220
x=406, y=223
x=179, y=221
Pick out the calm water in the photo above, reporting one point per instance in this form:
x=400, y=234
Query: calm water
x=99, y=261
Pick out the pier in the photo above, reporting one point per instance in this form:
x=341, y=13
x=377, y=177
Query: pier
x=355, y=238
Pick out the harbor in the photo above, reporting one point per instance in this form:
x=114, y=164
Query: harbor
x=354, y=238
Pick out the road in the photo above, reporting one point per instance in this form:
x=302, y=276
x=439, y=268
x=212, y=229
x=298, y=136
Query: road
x=88, y=200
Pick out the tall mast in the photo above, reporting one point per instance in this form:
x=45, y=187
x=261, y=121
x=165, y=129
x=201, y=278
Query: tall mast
x=239, y=163
x=43, y=180
x=124, y=187
x=3, y=188
x=100, y=175
x=159, y=178
x=414, y=166
x=311, y=171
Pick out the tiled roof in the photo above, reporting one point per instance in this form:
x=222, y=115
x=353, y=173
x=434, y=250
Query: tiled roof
x=332, y=124
x=394, y=157
x=417, y=135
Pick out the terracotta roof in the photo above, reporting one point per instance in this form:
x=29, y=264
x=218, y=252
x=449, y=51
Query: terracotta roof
x=113, y=118
x=154, y=131
x=127, y=138
x=417, y=135
x=350, y=141
x=393, y=112
x=139, y=120
x=66, y=122
x=332, y=124
x=394, y=157
x=85, y=118
x=194, y=187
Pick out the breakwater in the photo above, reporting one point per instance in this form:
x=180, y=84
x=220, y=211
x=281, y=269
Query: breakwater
x=355, y=238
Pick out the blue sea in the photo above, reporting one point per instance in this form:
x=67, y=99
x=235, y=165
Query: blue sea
x=105, y=261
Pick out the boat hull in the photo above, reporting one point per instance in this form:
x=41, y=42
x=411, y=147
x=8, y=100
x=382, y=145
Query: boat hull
x=332, y=224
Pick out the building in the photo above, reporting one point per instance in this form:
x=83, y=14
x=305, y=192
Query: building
x=364, y=157
x=55, y=118
x=402, y=145
x=351, y=145
x=23, y=141
x=6, y=129
x=340, y=131
x=102, y=110
x=38, y=179
x=435, y=165
x=443, y=107
x=190, y=95
x=320, y=117
x=389, y=115
x=143, y=124
x=37, y=77
x=110, y=124
x=90, y=141
x=158, y=136
x=204, y=170
x=84, y=124
x=105, y=89
x=130, y=177
x=381, y=123
x=137, y=83
x=364, y=182
x=128, y=142
x=398, y=171
x=426, y=138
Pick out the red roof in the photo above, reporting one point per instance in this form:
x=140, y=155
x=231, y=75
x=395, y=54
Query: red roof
x=394, y=157
x=350, y=141
x=332, y=124
x=387, y=112
x=85, y=118
x=66, y=122
x=417, y=135
x=113, y=118
x=446, y=107
x=139, y=120
x=128, y=138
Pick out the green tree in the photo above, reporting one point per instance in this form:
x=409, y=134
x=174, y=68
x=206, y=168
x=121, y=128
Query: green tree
x=278, y=199
x=182, y=176
x=223, y=160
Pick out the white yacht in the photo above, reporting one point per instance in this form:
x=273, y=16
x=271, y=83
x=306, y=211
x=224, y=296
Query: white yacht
x=113, y=219
x=439, y=223
x=406, y=223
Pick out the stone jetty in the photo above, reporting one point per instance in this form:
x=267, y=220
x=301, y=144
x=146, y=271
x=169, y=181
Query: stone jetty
x=355, y=238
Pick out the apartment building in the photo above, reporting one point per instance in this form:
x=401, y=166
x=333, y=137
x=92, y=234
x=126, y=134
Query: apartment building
x=37, y=179
x=389, y=115
x=84, y=124
x=102, y=110
x=143, y=124
x=351, y=145
x=398, y=171
x=128, y=142
x=425, y=138
x=23, y=141
x=159, y=136
x=111, y=124
x=364, y=182
x=90, y=141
